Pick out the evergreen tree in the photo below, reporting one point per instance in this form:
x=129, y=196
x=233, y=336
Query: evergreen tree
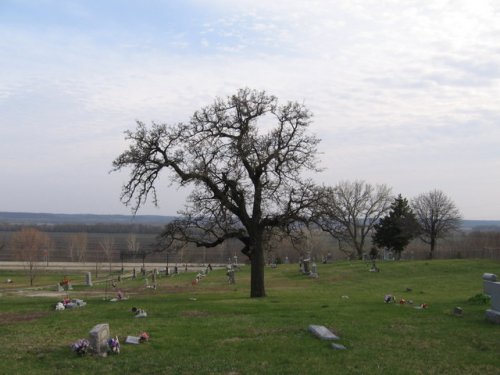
x=395, y=231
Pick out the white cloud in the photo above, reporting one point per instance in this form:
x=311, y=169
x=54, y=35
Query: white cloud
x=400, y=91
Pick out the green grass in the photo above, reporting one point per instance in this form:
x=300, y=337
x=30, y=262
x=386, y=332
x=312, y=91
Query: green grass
x=215, y=328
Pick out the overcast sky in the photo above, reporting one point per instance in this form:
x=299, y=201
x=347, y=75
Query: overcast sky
x=405, y=93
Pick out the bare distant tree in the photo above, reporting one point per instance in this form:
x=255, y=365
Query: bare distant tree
x=107, y=245
x=134, y=247
x=305, y=241
x=77, y=245
x=350, y=210
x=46, y=252
x=71, y=248
x=29, y=245
x=244, y=156
x=437, y=216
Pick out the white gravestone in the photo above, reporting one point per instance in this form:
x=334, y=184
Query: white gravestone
x=99, y=336
x=88, y=279
x=492, y=288
x=322, y=332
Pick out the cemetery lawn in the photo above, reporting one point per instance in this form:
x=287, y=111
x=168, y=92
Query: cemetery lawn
x=215, y=328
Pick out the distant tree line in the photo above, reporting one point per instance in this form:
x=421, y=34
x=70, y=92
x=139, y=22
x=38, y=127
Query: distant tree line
x=87, y=228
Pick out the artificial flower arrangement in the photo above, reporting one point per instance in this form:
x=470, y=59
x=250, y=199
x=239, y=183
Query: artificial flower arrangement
x=81, y=347
x=114, y=345
x=139, y=313
x=143, y=337
x=388, y=298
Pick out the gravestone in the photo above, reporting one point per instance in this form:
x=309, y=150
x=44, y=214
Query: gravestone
x=132, y=340
x=492, y=288
x=306, y=266
x=88, y=279
x=314, y=271
x=388, y=255
x=230, y=275
x=98, y=338
x=489, y=280
x=458, y=311
x=322, y=332
x=338, y=346
x=374, y=267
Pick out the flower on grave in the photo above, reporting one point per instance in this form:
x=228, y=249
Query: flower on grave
x=139, y=313
x=143, y=337
x=402, y=301
x=388, y=298
x=424, y=306
x=81, y=346
x=59, y=306
x=114, y=345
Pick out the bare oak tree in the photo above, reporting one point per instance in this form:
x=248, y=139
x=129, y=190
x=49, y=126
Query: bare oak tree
x=29, y=244
x=437, y=216
x=243, y=156
x=350, y=210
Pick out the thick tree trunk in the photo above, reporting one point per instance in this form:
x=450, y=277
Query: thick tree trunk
x=257, y=288
x=433, y=245
x=359, y=251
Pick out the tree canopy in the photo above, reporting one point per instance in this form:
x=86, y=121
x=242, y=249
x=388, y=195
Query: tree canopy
x=437, y=215
x=244, y=157
x=349, y=211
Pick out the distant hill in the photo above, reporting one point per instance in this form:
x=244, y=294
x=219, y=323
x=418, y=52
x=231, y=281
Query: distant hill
x=481, y=225
x=30, y=218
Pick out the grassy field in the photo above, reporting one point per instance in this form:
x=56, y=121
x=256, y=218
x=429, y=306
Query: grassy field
x=215, y=328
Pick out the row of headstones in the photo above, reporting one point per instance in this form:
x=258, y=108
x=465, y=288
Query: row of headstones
x=154, y=274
